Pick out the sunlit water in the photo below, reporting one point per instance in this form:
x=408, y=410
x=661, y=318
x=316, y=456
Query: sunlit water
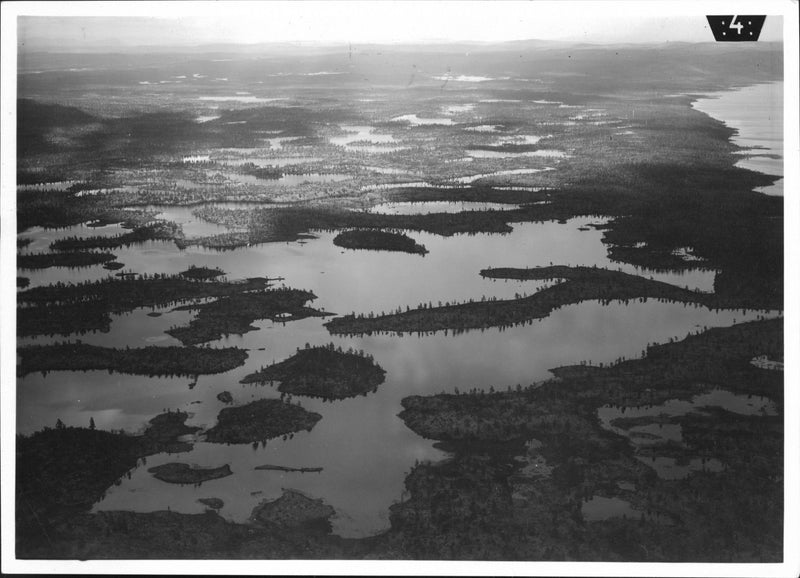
x=361, y=134
x=429, y=207
x=756, y=112
x=365, y=450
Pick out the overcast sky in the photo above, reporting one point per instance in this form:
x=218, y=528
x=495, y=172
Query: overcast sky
x=73, y=25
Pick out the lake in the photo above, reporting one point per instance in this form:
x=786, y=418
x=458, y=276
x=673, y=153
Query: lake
x=756, y=112
x=365, y=450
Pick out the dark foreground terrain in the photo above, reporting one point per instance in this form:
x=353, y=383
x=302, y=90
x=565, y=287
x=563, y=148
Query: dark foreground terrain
x=525, y=463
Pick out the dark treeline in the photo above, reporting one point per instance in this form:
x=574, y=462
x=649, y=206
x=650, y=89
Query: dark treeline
x=178, y=473
x=234, y=314
x=160, y=230
x=145, y=290
x=71, y=260
x=52, y=208
x=72, y=308
x=265, y=173
x=202, y=273
x=476, y=192
x=62, y=319
x=151, y=361
x=324, y=371
x=581, y=284
x=378, y=241
x=289, y=223
x=681, y=370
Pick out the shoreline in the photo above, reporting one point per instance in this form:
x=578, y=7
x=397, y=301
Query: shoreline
x=719, y=105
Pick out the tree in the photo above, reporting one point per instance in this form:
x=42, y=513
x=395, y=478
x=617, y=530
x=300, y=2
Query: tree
x=91, y=423
x=60, y=424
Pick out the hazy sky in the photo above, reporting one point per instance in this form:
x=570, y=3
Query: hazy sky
x=75, y=25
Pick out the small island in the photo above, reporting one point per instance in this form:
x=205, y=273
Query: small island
x=202, y=273
x=378, y=241
x=213, y=503
x=271, y=467
x=259, y=421
x=324, y=372
x=294, y=510
x=177, y=473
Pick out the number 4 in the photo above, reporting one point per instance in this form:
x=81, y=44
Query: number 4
x=737, y=25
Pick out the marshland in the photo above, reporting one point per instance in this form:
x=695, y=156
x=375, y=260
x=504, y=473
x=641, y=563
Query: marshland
x=429, y=293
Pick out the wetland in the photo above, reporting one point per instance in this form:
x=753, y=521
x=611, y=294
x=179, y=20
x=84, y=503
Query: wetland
x=493, y=318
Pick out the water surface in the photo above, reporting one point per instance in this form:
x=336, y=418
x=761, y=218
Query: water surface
x=365, y=450
x=756, y=112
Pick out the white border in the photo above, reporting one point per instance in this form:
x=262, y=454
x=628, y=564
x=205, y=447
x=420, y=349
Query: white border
x=791, y=564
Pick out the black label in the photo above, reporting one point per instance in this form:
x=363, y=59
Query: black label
x=736, y=28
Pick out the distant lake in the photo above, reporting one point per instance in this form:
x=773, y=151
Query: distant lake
x=756, y=112
x=429, y=207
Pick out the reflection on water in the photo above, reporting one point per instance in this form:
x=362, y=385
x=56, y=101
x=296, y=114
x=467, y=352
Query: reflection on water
x=458, y=108
x=484, y=128
x=656, y=431
x=248, y=99
x=488, y=154
x=414, y=120
x=191, y=225
x=287, y=180
x=361, y=133
x=365, y=450
x=263, y=162
x=473, y=178
x=346, y=281
x=428, y=207
x=756, y=112
x=41, y=237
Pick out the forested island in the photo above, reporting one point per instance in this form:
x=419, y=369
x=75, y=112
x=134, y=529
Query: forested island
x=378, y=241
x=580, y=284
x=259, y=421
x=202, y=273
x=324, y=371
x=178, y=473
